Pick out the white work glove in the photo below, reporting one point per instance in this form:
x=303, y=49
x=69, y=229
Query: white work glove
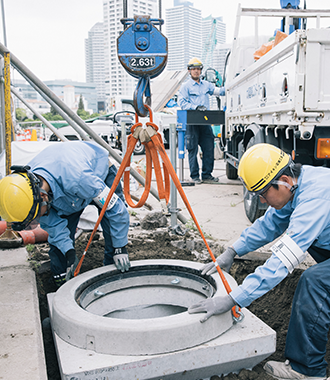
x=225, y=261
x=121, y=259
x=212, y=306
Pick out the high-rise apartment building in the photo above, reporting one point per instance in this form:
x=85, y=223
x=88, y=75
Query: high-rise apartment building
x=183, y=24
x=117, y=80
x=94, y=57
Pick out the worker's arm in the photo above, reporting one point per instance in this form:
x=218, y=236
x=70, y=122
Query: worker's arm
x=219, y=91
x=185, y=101
x=58, y=232
x=256, y=284
x=117, y=215
x=309, y=222
x=264, y=230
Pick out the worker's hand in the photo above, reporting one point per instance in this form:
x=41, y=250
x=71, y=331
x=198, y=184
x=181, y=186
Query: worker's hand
x=212, y=306
x=225, y=261
x=71, y=264
x=121, y=259
x=201, y=108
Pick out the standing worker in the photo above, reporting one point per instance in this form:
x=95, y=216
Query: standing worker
x=194, y=95
x=299, y=206
x=55, y=187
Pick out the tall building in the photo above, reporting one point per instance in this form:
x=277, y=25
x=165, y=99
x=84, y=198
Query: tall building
x=94, y=57
x=219, y=57
x=70, y=92
x=183, y=25
x=117, y=80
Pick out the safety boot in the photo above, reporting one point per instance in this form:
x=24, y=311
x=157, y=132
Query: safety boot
x=284, y=371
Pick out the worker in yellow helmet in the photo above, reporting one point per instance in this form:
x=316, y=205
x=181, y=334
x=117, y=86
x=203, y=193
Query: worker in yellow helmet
x=54, y=189
x=299, y=217
x=22, y=200
x=194, y=95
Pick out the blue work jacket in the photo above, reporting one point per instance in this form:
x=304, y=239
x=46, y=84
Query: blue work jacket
x=75, y=172
x=306, y=219
x=193, y=94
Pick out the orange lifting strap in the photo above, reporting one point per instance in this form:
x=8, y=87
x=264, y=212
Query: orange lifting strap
x=153, y=143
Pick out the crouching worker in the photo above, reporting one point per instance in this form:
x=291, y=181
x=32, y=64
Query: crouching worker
x=54, y=189
x=299, y=205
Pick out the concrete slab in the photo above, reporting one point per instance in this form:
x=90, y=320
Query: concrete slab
x=91, y=311
x=245, y=345
x=21, y=349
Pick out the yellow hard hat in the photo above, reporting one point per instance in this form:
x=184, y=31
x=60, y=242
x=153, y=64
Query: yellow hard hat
x=260, y=165
x=195, y=62
x=19, y=198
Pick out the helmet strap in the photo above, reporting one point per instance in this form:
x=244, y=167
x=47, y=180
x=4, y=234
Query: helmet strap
x=46, y=203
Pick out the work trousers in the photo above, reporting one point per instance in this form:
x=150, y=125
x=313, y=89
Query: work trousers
x=310, y=318
x=57, y=258
x=200, y=135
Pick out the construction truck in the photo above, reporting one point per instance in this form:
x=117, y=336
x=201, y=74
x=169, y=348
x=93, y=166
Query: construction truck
x=278, y=92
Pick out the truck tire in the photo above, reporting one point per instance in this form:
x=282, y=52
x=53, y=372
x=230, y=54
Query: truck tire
x=252, y=205
x=231, y=172
x=139, y=148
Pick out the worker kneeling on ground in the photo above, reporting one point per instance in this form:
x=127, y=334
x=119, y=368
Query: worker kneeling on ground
x=299, y=200
x=54, y=189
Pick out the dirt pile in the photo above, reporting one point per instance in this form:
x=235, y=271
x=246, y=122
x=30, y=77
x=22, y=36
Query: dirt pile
x=273, y=308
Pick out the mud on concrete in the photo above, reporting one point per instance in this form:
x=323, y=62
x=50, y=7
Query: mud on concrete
x=273, y=308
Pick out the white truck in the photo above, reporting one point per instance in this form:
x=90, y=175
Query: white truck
x=283, y=98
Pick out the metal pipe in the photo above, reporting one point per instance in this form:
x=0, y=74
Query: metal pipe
x=173, y=200
x=3, y=23
x=26, y=73
x=39, y=116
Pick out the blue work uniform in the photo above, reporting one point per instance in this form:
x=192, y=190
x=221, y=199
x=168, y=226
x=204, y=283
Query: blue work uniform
x=192, y=95
x=306, y=219
x=77, y=172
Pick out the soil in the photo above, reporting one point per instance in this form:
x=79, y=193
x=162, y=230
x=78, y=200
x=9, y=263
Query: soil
x=273, y=308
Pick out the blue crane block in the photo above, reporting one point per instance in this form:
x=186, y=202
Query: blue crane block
x=142, y=48
x=142, y=51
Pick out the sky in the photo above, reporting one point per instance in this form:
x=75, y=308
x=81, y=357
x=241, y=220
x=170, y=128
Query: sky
x=48, y=37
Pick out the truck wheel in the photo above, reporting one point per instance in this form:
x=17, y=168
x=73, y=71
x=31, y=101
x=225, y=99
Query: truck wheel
x=252, y=207
x=139, y=148
x=231, y=172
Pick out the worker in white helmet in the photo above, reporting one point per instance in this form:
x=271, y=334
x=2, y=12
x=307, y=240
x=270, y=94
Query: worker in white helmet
x=194, y=95
x=299, y=215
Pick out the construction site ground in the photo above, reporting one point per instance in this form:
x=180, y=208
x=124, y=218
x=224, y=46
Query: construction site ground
x=220, y=212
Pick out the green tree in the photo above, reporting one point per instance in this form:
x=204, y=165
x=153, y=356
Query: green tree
x=95, y=114
x=20, y=114
x=81, y=104
x=81, y=109
x=51, y=117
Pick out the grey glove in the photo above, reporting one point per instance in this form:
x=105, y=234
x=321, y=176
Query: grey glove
x=121, y=259
x=225, y=261
x=201, y=108
x=71, y=264
x=212, y=306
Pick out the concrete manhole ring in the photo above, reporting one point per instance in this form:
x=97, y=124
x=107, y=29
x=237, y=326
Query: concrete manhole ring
x=140, y=312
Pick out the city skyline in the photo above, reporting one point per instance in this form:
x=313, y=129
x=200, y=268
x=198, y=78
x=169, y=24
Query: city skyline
x=58, y=32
